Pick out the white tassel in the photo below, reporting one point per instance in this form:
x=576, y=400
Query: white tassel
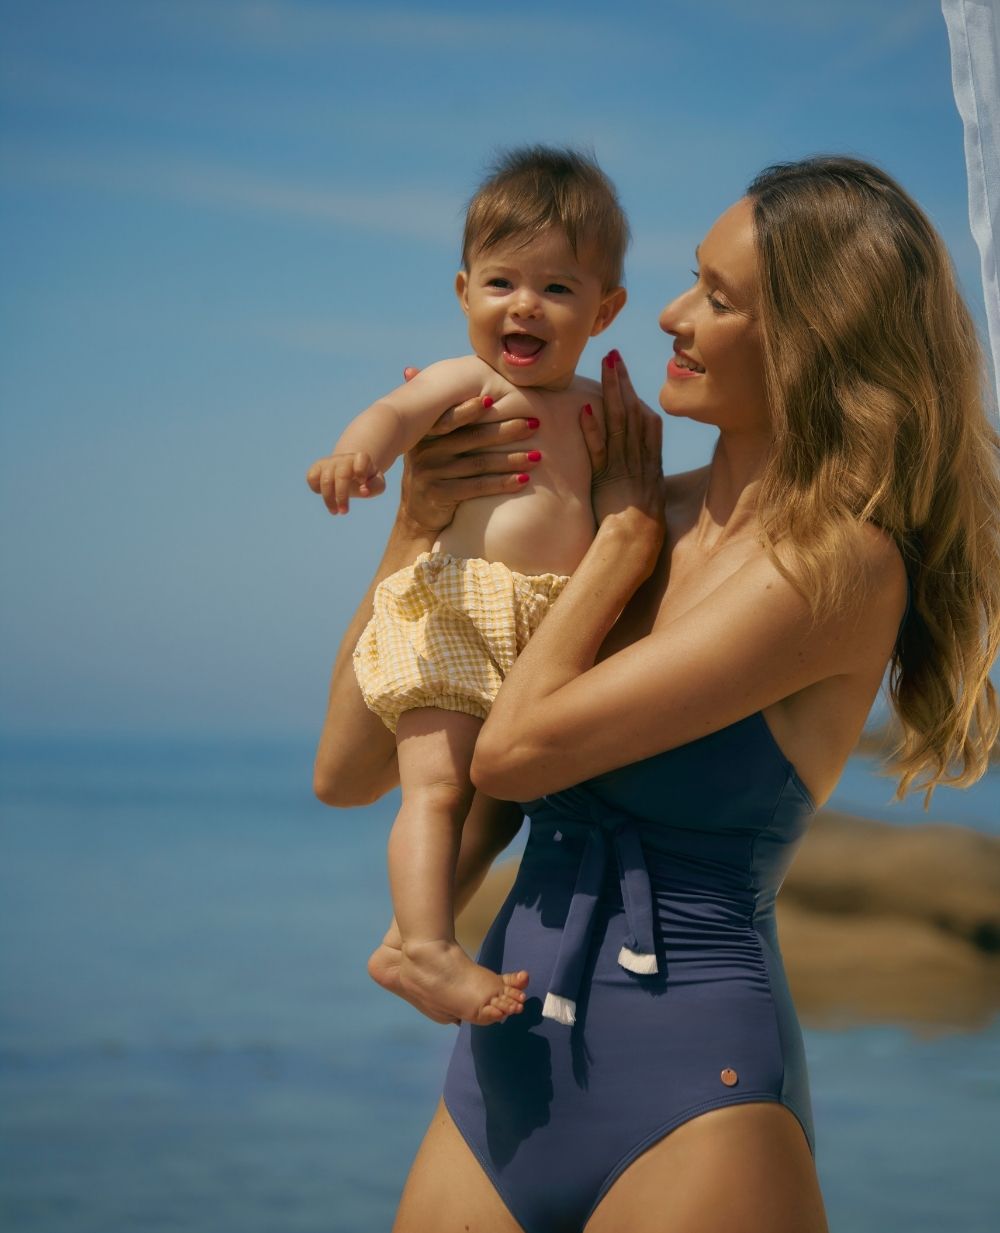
x=563, y=1010
x=632, y=961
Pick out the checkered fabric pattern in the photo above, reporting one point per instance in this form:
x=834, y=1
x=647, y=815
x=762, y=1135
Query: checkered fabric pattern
x=445, y=632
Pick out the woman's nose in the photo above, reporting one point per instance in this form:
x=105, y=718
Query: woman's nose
x=674, y=318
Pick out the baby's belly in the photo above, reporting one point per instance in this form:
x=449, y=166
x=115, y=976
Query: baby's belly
x=538, y=532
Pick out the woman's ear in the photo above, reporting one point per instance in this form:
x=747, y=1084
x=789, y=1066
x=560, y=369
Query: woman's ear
x=610, y=307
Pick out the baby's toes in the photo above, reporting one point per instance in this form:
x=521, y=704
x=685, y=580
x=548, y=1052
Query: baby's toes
x=489, y=1014
x=514, y=980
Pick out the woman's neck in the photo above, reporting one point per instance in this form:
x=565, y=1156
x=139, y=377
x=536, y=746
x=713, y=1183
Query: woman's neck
x=729, y=505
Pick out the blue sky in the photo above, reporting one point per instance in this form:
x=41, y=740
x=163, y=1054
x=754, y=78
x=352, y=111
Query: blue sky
x=226, y=225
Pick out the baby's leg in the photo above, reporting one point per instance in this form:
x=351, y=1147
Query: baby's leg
x=435, y=753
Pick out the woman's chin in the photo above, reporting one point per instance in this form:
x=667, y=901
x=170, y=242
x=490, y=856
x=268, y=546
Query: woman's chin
x=674, y=406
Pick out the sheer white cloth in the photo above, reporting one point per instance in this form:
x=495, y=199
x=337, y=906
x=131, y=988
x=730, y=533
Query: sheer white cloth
x=974, y=35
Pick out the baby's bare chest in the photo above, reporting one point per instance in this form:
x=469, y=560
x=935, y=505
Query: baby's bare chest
x=564, y=465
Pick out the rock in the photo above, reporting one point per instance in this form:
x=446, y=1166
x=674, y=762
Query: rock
x=942, y=875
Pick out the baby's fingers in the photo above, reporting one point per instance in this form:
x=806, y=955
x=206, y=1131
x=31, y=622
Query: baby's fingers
x=315, y=474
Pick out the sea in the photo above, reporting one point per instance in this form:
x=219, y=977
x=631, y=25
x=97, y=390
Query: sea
x=189, y=1041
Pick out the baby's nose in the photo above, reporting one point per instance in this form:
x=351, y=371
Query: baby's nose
x=526, y=303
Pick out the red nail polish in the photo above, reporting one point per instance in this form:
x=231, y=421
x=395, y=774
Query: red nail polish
x=522, y=478
x=533, y=423
x=617, y=355
x=588, y=409
x=535, y=456
x=609, y=359
x=487, y=401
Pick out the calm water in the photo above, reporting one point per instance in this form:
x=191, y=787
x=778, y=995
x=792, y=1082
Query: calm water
x=189, y=1042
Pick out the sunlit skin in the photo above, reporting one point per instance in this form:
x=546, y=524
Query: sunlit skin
x=714, y=324
x=532, y=306
x=675, y=624
x=540, y=291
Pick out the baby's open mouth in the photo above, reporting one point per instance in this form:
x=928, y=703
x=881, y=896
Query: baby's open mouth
x=522, y=348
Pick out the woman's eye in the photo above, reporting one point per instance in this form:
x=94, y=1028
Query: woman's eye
x=717, y=305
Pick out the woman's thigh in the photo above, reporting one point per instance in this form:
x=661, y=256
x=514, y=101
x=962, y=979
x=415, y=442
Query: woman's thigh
x=447, y=1190
x=740, y=1169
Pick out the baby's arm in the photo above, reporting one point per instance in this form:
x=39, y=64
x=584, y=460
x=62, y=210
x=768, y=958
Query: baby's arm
x=373, y=440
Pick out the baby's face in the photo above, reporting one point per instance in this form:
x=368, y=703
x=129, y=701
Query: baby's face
x=532, y=307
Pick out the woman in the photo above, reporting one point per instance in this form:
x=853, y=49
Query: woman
x=692, y=698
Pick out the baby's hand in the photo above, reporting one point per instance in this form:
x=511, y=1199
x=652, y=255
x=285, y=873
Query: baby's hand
x=341, y=476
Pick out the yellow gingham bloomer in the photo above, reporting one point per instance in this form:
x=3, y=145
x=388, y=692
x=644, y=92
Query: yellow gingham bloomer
x=445, y=631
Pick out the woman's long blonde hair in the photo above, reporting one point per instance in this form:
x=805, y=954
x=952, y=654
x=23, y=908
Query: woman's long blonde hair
x=879, y=394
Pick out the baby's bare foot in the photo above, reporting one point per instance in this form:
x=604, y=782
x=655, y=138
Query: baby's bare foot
x=442, y=975
x=384, y=968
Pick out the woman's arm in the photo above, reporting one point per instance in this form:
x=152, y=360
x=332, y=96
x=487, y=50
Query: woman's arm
x=560, y=717
x=356, y=758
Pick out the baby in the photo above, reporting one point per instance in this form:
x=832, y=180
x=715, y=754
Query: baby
x=541, y=273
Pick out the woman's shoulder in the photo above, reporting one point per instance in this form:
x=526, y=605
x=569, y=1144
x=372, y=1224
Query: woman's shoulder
x=871, y=590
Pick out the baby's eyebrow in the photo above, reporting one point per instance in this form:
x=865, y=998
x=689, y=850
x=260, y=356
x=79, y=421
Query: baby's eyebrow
x=550, y=276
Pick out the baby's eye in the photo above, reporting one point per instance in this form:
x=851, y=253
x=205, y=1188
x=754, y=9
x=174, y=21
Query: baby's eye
x=558, y=289
x=503, y=283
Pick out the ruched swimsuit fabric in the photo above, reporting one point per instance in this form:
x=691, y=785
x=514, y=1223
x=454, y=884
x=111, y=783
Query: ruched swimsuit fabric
x=444, y=633
x=682, y=853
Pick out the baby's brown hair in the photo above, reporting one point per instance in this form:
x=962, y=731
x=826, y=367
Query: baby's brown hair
x=533, y=188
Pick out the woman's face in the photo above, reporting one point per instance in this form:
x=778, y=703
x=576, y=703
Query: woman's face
x=716, y=374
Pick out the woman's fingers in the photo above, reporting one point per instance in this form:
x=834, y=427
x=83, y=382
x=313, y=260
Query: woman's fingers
x=465, y=413
x=495, y=436
x=594, y=439
x=614, y=410
x=466, y=460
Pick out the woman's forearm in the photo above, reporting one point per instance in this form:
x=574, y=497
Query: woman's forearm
x=356, y=757
x=564, y=647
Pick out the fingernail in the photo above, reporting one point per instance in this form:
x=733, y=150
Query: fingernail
x=487, y=401
x=609, y=359
x=588, y=409
x=533, y=423
x=535, y=456
x=522, y=478
x=616, y=355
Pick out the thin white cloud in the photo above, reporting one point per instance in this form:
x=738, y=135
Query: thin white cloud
x=411, y=212
x=296, y=25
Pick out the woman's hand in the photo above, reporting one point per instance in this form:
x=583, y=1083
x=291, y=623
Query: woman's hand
x=625, y=454
x=461, y=458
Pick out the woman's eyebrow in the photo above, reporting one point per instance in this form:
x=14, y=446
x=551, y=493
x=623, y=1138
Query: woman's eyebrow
x=717, y=278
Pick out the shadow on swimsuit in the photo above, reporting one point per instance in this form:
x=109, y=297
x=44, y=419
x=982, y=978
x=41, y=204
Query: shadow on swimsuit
x=653, y=985
x=514, y=1070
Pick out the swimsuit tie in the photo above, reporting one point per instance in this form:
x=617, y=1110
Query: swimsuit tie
x=638, y=954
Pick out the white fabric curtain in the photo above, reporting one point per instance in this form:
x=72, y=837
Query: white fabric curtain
x=974, y=35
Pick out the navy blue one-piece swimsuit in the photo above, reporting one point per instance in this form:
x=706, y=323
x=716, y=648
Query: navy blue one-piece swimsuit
x=674, y=863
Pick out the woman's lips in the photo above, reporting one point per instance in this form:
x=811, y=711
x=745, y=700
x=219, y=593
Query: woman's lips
x=680, y=374
x=522, y=349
